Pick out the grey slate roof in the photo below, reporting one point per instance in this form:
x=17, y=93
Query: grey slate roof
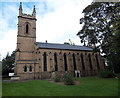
x=62, y=46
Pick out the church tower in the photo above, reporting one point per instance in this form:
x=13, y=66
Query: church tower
x=26, y=38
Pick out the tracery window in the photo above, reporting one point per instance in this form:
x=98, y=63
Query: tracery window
x=82, y=60
x=55, y=61
x=74, y=62
x=96, y=56
x=65, y=62
x=45, y=61
x=89, y=56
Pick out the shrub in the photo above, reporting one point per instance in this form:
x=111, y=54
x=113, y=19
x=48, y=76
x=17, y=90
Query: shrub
x=118, y=76
x=57, y=78
x=68, y=79
x=106, y=74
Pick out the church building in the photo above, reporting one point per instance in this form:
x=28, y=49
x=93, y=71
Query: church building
x=38, y=60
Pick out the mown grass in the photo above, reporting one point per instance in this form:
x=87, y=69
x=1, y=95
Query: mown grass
x=0, y=87
x=89, y=86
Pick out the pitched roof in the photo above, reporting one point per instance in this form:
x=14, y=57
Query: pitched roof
x=62, y=46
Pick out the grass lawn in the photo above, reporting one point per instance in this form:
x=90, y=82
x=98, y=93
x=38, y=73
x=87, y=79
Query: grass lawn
x=0, y=88
x=89, y=86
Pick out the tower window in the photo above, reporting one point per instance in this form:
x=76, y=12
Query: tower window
x=25, y=68
x=27, y=27
x=30, y=69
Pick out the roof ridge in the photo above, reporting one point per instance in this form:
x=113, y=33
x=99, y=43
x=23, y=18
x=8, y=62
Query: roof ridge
x=62, y=46
x=58, y=44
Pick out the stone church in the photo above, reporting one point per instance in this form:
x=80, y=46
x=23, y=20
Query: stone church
x=38, y=60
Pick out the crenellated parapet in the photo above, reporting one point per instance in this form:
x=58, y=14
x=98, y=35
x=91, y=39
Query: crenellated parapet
x=24, y=15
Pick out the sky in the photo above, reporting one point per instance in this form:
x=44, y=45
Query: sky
x=57, y=21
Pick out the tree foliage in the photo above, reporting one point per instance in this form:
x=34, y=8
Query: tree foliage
x=8, y=64
x=67, y=43
x=101, y=29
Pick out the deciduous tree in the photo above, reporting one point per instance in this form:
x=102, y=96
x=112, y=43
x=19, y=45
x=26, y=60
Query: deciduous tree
x=101, y=29
x=8, y=64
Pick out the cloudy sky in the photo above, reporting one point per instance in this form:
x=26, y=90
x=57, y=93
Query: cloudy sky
x=57, y=21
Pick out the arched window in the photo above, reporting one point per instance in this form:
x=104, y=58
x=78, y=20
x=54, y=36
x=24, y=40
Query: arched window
x=27, y=28
x=65, y=62
x=45, y=61
x=89, y=56
x=25, y=68
x=96, y=56
x=82, y=60
x=30, y=69
x=74, y=62
x=55, y=61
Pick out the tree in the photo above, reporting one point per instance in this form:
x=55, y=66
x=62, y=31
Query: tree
x=8, y=64
x=101, y=29
x=67, y=43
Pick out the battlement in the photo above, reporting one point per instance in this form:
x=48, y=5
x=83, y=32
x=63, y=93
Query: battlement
x=27, y=15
